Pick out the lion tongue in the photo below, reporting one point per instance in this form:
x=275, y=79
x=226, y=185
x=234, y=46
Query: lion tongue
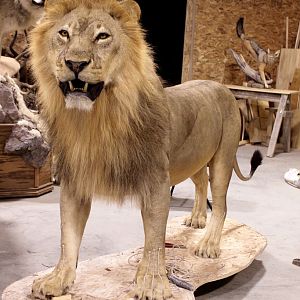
x=94, y=90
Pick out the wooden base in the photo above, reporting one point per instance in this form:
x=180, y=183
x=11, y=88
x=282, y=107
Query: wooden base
x=17, y=178
x=30, y=192
x=111, y=277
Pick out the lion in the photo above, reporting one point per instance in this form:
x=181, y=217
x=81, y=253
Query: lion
x=118, y=134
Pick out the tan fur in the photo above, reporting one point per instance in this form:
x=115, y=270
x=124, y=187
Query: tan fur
x=136, y=140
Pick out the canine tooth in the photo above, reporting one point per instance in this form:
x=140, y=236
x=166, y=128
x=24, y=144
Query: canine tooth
x=71, y=86
x=86, y=87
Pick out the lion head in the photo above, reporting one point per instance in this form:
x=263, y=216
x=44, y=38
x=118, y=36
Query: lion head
x=88, y=43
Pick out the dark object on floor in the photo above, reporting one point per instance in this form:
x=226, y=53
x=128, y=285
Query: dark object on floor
x=296, y=262
x=211, y=286
x=179, y=282
x=172, y=190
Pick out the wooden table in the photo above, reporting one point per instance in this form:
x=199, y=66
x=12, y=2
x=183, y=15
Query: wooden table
x=283, y=98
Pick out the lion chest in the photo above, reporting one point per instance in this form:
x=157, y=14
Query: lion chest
x=116, y=168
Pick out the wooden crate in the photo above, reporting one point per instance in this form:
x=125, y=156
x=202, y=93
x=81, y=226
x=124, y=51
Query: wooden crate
x=17, y=178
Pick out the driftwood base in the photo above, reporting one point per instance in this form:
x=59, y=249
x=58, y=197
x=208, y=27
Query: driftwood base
x=110, y=277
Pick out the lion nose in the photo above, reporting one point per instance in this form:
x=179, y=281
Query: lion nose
x=76, y=66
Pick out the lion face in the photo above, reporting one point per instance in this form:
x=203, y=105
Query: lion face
x=85, y=51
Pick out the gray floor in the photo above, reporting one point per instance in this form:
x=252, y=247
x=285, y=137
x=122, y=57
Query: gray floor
x=29, y=230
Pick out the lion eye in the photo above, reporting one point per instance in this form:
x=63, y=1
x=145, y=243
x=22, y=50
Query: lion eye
x=102, y=36
x=64, y=33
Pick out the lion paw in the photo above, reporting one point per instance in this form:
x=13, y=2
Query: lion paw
x=208, y=249
x=151, y=287
x=54, y=284
x=195, y=221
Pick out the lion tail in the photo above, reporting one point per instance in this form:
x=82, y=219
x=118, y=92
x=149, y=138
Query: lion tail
x=256, y=161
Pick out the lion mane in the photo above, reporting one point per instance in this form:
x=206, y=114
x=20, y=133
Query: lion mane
x=115, y=149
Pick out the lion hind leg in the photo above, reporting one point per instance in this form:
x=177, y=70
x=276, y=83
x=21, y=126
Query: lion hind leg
x=220, y=172
x=198, y=216
x=74, y=214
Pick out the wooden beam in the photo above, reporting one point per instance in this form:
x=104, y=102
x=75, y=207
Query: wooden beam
x=277, y=125
x=297, y=38
x=189, y=41
x=287, y=32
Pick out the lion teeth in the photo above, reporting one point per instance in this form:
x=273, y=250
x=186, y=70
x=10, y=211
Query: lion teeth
x=86, y=87
x=71, y=86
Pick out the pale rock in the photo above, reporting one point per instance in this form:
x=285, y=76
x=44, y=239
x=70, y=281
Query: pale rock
x=27, y=141
x=9, y=107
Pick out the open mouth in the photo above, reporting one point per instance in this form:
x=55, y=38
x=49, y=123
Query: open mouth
x=92, y=91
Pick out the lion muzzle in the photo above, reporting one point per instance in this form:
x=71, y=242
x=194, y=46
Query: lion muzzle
x=80, y=94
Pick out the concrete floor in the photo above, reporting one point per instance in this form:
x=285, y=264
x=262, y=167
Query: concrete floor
x=29, y=231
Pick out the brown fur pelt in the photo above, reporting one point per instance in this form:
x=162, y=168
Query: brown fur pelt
x=115, y=149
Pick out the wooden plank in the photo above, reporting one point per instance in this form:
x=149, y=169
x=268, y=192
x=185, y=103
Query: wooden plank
x=28, y=192
x=45, y=171
x=298, y=37
x=14, y=172
x=288, y=63
x=286, y=91
x=189, y=41
x=36, y=177
x=286, y=131
x=287, y=32
x=277, y=125
x=256, y=96
x=295, y=85
x=270, y=125
x=296, y=129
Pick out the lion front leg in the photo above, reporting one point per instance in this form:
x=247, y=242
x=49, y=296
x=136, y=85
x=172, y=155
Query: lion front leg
x=74, y=214
x=151, y=277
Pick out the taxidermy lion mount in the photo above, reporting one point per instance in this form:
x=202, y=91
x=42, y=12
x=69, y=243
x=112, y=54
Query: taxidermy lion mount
x=117, y=133
x=263, y=57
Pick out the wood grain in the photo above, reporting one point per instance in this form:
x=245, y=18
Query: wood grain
x=288, y=63
x=17, y=178
x=295, y=85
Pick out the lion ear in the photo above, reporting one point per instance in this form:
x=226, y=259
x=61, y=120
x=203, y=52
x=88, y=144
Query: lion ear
x=132, y=8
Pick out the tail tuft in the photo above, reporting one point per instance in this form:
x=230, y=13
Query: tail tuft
x=240, y=27
x=256, y=161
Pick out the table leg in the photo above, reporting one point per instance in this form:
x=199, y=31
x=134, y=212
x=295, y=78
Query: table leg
x=277, y=125
x=286, y=126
